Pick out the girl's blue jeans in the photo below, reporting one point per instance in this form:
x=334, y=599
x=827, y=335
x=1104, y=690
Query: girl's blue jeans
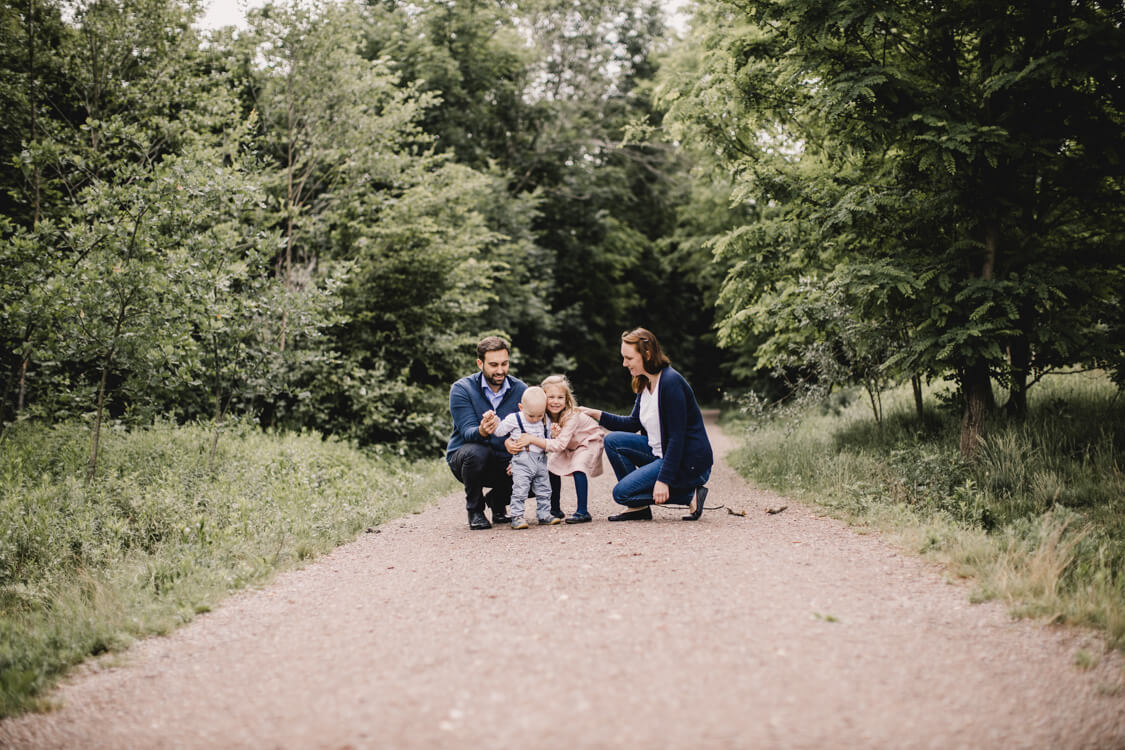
x=637, y=469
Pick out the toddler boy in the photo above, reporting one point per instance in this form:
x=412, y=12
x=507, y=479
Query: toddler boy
x=529, y=467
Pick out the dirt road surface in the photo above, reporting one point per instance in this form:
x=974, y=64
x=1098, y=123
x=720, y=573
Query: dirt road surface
x=763, y=631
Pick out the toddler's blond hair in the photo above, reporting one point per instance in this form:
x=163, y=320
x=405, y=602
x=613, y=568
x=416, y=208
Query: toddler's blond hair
x=534, y=398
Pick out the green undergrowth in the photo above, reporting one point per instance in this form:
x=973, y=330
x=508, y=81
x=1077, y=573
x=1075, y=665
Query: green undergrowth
x=1036, y=519
x=164, y=533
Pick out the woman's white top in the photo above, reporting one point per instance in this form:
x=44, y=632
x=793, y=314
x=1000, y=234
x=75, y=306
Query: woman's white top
x=650, y=415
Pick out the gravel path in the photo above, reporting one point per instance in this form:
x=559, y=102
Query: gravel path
x=763, y=631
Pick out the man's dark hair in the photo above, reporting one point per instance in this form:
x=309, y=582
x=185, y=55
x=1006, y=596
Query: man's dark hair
x=491, y=344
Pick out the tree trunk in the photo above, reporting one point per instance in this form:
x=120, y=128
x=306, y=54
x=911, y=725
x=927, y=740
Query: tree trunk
x=22, y=390
x=92, y=469
x=874, y=394
x=976, y=385
x=991, y=245
x=977, y=389
x=106, y=364
x=32, y=98
x=289, y=204
x=1019, y=355
x=215, y=433
x=916, y=385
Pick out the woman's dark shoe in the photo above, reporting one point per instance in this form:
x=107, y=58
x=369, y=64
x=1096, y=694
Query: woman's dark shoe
x=644, y=514
x=580, y=518
x=478, y=521
x=700, y=500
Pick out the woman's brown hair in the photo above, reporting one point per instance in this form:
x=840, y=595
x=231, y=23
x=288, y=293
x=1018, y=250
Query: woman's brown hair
x=652, y=355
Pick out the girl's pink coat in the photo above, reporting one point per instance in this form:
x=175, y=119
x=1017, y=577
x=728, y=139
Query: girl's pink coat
x=577, y=448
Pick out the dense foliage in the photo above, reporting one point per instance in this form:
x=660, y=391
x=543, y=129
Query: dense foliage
x=1037, y=519
x=313, y=220
x=87, y=567
x=940, y=186
x=307, y=224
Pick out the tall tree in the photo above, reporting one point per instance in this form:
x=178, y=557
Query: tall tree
x=32, y=85
x=974, y=147
x=474, y=58
x=129, y=272
x=607, y=203
x=544, y=91
x=318, y=99
x=32, y=82
x=362, y=187
x=115, y=89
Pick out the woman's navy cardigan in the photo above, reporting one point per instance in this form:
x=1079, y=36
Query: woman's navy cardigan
x=687, y=451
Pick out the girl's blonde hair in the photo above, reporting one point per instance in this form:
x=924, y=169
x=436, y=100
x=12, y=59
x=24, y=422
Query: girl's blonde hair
x=570, y=405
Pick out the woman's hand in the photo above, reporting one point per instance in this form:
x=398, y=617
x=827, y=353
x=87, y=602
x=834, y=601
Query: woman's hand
x=595, y=414
x=660, y=493
x=523, y=441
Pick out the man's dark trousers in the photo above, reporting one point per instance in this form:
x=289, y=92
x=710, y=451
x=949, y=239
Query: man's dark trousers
x=476, y=466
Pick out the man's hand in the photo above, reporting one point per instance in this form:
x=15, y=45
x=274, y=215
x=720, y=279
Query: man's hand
x=488, y=423
x=660, y=493
x=513, y=446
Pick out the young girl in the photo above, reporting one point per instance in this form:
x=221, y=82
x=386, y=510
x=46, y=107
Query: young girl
x=577, y=448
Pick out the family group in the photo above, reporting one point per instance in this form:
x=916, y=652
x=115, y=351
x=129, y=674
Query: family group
x=518, y=441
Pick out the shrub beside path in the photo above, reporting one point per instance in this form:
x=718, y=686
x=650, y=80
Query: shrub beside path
x=763, y=631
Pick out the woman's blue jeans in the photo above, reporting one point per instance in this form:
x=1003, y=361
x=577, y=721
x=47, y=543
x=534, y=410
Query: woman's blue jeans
x=637, y=469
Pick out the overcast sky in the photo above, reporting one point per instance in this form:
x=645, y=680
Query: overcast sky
x=227, y=13
x=233, y=12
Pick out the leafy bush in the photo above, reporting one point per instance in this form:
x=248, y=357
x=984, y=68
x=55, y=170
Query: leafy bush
x=1038, y=517
x=86, y=567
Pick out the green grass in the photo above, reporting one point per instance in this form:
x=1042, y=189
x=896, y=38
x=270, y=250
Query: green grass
x=1037, y=519
x=159, y=537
